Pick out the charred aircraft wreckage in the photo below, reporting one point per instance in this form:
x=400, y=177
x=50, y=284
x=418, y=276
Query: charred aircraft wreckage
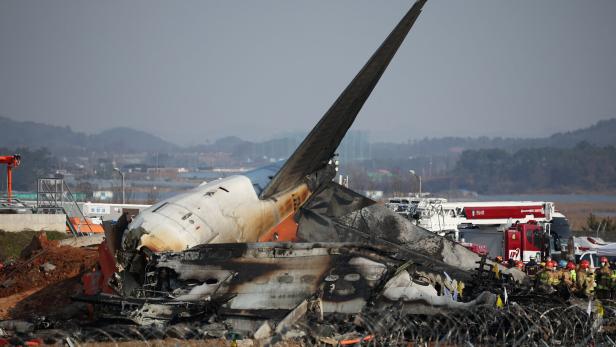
x=217, y=250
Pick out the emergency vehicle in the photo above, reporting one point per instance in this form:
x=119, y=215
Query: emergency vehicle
x=512, y=229
x=446, y=217
x=526, y=240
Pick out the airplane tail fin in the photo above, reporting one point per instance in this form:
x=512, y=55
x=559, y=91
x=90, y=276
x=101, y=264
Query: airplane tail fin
x=319, y=146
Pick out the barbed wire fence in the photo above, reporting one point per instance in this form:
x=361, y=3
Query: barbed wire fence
x=535, y=324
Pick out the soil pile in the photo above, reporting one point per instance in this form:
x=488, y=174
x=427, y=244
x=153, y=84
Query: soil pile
x=44, y=278
x=11, y=243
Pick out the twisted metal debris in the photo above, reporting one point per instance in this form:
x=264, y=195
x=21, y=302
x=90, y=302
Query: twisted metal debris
x=516, y=324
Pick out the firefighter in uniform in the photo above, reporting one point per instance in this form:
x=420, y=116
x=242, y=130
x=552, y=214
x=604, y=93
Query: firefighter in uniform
x=563, y=286
x=546, y=276
x=569, y=276
x=585, y=280
x=603, y=276
x=538, y=274
x=613, y=283
x=532, y=268
x=562, y=265
x=554, y=274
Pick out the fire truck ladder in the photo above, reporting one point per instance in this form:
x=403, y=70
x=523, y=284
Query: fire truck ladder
x=54, y=196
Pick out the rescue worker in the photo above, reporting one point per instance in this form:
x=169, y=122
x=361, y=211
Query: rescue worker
x=544, y=277
x=603, y=279
x=554, y=274
x=613, y=282
x=546, y=260
x=585, y=280
x=496, y=271
x=563, y=288
x=499, y=259
x=519, y=265
x=532, y=268
x=569, y=276
x=562, y=267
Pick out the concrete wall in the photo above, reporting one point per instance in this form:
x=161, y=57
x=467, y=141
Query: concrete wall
x=36, y=222
x=83, y=241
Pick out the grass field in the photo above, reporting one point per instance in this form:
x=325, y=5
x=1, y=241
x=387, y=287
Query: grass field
x=12, y=243
x=578, y=212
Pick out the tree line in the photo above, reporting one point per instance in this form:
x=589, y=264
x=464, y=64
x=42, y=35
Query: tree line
x=583, y=168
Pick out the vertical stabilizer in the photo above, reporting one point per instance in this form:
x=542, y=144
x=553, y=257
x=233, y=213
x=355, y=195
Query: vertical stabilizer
x=319, y=146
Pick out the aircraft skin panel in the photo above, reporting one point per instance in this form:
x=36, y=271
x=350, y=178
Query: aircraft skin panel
x=222, y=211
x=319, y=146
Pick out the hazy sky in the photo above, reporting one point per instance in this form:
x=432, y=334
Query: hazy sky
x=191, y=71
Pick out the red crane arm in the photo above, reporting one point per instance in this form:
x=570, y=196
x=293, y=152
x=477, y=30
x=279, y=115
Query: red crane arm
x=11, y=161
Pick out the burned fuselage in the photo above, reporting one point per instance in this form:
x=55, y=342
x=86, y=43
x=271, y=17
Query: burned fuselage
x=270, y=279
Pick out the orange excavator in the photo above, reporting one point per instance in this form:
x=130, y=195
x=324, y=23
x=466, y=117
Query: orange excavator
x=11, y=161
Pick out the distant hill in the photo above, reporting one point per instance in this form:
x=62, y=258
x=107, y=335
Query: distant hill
x=130, y=140
x=226, y=144
x=65, y=141
x=36, y=135
x=601, y=134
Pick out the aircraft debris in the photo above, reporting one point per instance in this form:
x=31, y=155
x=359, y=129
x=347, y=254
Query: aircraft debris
x=190, y=267
x=528, y=319
x=194, y=256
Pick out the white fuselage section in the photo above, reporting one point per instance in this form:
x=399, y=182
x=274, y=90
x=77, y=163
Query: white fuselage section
x=225, y=210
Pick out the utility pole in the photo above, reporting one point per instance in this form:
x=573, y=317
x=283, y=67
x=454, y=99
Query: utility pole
x=412, y=172
x=123, y=193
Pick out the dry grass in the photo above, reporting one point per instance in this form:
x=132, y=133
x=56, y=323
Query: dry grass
x=12, y=243
x=579, y=211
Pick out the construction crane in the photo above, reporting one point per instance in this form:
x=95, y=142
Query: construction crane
x=11, y=161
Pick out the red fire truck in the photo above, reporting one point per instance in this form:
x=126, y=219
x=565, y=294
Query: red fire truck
x=525, y=240
x=511, y=229
x=520, y=241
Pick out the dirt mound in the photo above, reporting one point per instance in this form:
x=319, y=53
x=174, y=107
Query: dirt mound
x=37, y=243
x=53, y=270
x=11, y=243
